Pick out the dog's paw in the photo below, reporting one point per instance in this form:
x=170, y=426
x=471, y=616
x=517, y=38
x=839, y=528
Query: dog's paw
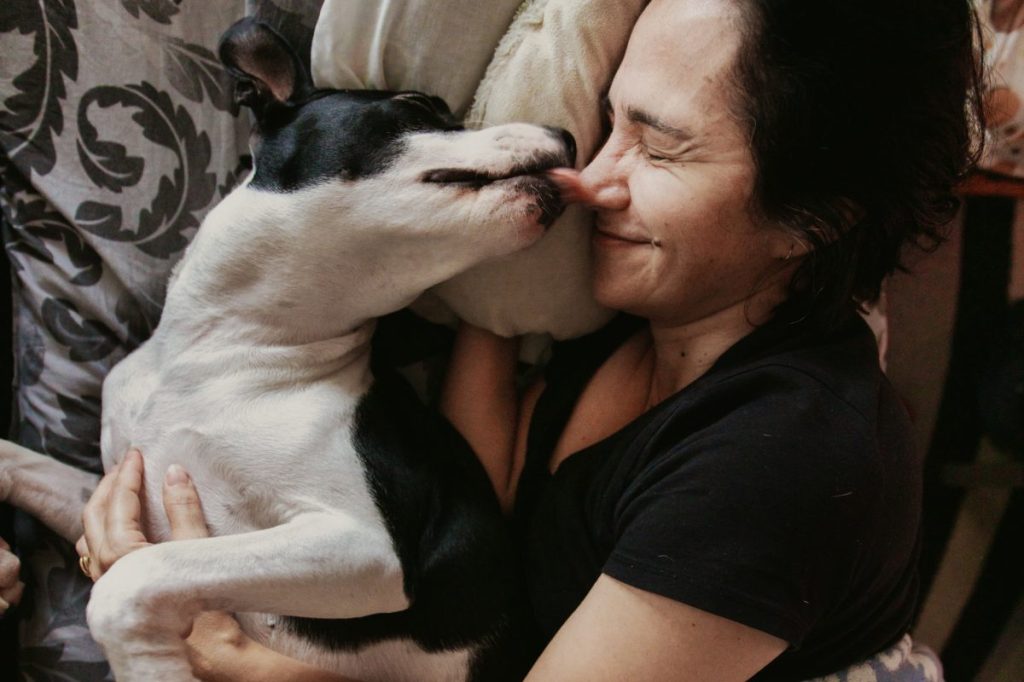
x=135, y=617
x=133, y=601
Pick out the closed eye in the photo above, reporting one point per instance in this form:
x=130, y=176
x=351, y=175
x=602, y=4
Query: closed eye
x=608, y=119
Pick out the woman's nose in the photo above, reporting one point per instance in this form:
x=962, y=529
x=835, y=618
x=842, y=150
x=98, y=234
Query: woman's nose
x=604, y=182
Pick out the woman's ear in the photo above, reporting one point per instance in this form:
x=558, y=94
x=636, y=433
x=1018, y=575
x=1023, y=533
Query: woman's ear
x=788, y=244
x=816, y=231
x=266, y=69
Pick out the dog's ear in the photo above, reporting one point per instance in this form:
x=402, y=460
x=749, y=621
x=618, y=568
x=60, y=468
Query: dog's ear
x=266, y=69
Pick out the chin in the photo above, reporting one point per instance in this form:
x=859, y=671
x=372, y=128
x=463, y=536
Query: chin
x=615, y=297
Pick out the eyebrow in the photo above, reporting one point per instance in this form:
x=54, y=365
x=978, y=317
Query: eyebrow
x=648, y=119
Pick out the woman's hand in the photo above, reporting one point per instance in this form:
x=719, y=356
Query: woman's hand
x=113, y=528
x=217, y=648
x=112, y=518
x=10, y=585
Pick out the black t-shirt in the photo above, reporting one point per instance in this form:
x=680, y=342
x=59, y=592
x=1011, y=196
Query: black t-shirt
x=780, y=490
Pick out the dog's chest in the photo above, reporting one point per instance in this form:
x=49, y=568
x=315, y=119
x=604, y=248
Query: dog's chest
x=261, y=448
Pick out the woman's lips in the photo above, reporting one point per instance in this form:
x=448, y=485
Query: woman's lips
x=612, y=238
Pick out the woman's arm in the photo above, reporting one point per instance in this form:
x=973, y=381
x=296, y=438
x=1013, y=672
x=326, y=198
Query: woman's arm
x=479, y=398
x=624, y=633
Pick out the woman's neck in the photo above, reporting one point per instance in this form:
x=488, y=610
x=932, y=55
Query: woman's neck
x=682, y=352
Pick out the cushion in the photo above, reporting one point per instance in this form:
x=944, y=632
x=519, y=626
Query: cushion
x=551, y=67
x=905, y=661
x=116, y=137
x=443, y=48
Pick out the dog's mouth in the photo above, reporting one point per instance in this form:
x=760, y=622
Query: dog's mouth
x=476, y=179
x=534, y=175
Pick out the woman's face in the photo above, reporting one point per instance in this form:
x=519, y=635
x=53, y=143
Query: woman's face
x=675, y=240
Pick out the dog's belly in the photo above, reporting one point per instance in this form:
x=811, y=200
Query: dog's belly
x=393, y=660
x=259, y=455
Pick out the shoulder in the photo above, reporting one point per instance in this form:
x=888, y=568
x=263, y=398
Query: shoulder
x=782, y=433
x=803, y=387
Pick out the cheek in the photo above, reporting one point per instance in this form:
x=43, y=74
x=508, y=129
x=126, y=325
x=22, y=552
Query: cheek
x=659, y=200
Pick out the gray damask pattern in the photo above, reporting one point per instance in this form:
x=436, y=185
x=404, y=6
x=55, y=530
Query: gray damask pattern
x=117, y=135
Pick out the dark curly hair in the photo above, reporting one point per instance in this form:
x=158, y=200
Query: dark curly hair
x=863, y=116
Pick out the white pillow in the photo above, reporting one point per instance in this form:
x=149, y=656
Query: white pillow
x=551, y=67
x=438, y=47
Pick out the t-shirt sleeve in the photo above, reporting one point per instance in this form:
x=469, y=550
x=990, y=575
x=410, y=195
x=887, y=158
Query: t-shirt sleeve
x=754, y=509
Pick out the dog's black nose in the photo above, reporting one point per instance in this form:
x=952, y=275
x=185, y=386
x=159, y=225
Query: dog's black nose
x=568, y=140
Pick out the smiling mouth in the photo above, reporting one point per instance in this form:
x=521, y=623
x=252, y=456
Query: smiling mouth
x=601, y=234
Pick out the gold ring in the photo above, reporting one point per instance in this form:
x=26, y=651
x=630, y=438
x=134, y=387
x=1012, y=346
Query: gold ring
x=83, y=563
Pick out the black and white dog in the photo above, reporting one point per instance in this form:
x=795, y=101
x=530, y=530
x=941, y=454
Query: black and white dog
x=334, y=497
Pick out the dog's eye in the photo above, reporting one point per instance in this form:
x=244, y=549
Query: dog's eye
x=440, y=116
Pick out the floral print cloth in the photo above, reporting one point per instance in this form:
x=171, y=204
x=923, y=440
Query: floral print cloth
x=117, y=134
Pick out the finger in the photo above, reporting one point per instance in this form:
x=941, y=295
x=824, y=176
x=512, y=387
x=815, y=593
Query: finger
x=94, y=521
x=125, y=510
x=4, y=545
x=10, y=568
x=182, y=505
x=214, y=638
x=215, y=625
x=10, y=587
x=124, y=514
x=82, y=547
x=11, y=595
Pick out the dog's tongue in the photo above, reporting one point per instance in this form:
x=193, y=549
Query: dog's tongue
x=569, y=186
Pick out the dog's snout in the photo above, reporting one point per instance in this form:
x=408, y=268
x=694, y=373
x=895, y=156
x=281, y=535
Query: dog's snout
x=567, y=139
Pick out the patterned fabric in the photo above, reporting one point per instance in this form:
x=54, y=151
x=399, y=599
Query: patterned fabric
x=904, y=662
x=117, y=135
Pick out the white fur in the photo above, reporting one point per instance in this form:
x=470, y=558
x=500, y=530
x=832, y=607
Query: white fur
x=263, y=345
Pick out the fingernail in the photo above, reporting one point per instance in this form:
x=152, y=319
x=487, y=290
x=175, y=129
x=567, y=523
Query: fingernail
x=176, y=475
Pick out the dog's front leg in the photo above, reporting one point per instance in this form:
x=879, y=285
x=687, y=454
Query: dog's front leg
x=53, y=492
x=323, y=565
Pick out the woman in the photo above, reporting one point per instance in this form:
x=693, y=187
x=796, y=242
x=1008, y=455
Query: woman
x=720, y=484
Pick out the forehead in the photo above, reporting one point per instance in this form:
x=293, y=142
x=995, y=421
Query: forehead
x=679, y=58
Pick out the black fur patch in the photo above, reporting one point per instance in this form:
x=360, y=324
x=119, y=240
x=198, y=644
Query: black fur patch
x=461, y=569
x=339, y=134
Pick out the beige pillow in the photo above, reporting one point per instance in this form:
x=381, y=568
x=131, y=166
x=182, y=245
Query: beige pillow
x=551, y=67
x=440, y=47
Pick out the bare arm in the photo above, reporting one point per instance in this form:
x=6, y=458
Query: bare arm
x=624, y=633
x=479, y=398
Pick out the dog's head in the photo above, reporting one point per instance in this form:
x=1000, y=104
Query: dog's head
x=385, y=189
